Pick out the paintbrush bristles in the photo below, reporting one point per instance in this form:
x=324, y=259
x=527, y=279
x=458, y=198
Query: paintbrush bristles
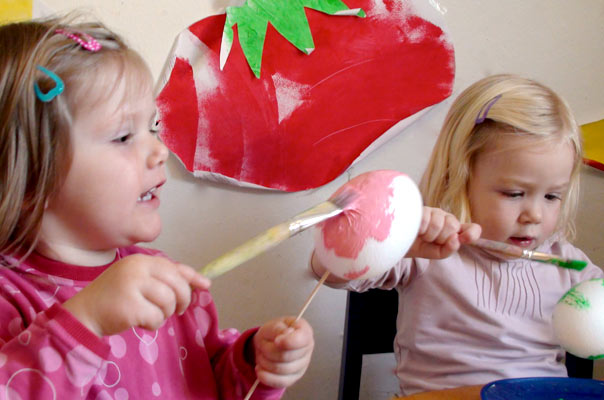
x=346, y=198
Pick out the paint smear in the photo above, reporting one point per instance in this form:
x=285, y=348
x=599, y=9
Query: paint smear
x=370, y=217
x=576, y=299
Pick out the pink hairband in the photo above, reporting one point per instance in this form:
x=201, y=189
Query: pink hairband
x=89, y=44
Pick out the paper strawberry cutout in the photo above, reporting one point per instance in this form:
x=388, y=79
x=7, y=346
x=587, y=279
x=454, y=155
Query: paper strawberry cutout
x=307, y=117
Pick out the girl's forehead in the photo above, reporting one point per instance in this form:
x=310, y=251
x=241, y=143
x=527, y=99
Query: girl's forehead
x=507, y=141
x=115, y=92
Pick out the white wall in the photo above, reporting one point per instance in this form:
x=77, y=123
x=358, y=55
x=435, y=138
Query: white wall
x=558, y=42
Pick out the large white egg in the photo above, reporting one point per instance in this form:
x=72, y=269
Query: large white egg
x=578, y=320
x=376, y=231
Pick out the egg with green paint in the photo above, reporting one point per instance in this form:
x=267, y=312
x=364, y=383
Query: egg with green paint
x=578, y=320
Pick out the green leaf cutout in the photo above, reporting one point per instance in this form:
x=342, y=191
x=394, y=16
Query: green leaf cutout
x=288, y=18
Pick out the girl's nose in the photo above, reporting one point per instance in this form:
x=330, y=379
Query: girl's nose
x=531, y=213
x=159, y=153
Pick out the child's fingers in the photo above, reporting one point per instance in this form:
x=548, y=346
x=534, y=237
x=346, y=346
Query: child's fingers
x=425, y=221
x=291, y=368
x=440, y=227
x=434, y=225
x=269, y=331
x=449, y=230
x=280, y=341
x=162, y=296
x=469, y=233
x=169, y=276
x=149, y=315
x=296, y=335
x=194, y=278
x=277, y=380
x=451, y=245
x=271, y=359
x=181, y=283
x=287, y=332
x=286, y=370
x=283, y=350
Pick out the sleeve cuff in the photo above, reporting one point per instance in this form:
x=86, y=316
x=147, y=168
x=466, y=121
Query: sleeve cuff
x=247, y=369
x=77, y=330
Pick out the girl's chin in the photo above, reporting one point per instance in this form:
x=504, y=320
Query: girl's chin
x=148, y=234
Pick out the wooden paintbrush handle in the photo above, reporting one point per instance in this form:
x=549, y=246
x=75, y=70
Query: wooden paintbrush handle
x=499, y=247
x=247, y=251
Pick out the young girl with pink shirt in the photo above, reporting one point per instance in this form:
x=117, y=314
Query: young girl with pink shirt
x=84, y=311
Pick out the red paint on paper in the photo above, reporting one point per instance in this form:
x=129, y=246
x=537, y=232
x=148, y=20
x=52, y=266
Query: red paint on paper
x=308, y=117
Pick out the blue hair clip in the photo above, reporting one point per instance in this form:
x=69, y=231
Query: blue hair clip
x=484, y=111
x=52, y=93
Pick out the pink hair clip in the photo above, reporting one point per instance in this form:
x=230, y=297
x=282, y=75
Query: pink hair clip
x=89, y=44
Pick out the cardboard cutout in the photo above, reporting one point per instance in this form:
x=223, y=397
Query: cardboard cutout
x=15, y=10
x=593, y=135
x=306, y=117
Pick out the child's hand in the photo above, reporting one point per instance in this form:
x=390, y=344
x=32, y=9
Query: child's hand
x=282, y=351
x=138, y=290
x=441, y=234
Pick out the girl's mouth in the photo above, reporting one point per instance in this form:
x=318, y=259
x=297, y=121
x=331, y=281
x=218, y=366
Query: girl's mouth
x=522, y=241
x=148, y=195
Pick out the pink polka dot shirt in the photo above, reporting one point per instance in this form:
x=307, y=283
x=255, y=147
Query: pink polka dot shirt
x=46, y=353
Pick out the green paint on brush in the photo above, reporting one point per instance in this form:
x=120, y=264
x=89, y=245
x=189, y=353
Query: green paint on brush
x=286, y=16
x=575, y=299
x=599, y=357
x=577, y=265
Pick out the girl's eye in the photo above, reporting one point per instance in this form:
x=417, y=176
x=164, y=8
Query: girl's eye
x=552, y=196
x=513, y=194
x=123, y=138
x=154, y=128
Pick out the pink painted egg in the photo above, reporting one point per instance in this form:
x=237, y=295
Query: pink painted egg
x=375, y=231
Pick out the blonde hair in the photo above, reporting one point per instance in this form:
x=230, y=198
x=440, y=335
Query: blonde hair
x=35, y=147
x=514, y=106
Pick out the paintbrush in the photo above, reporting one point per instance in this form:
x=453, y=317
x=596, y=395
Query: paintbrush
x=515, y=251
x=278, y=233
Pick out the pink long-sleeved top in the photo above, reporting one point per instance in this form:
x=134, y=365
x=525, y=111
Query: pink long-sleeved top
x=46, y=353
x=473, y=318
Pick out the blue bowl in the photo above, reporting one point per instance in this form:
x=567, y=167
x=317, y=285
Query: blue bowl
x=543, y=389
